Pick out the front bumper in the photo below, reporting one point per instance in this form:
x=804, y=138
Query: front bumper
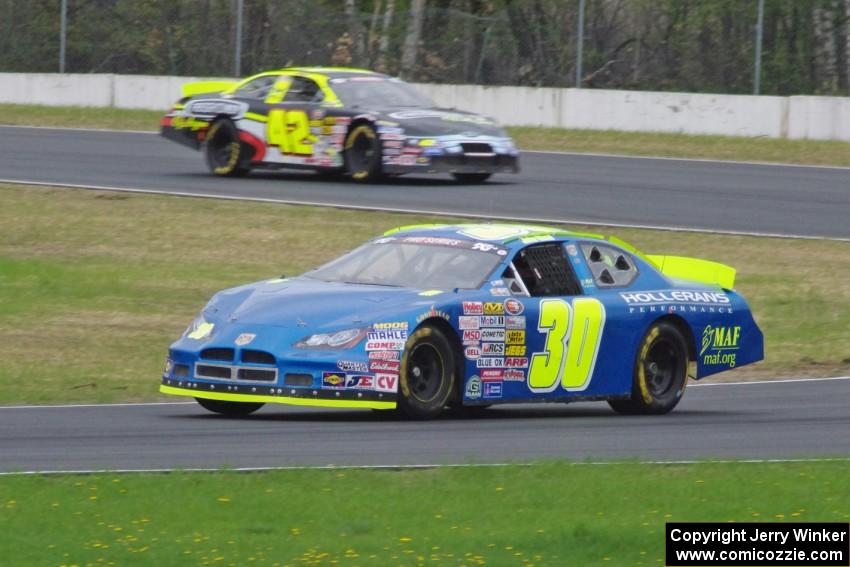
x=499, y=163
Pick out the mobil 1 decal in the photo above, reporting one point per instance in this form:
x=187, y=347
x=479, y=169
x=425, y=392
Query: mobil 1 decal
x=572, y=335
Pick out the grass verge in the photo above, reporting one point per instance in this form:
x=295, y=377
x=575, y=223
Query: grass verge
x=95, y=285
x=560, y=514
x=810, y=152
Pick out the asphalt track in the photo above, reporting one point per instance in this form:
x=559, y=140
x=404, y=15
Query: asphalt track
x=715, y=196
x=779, y=420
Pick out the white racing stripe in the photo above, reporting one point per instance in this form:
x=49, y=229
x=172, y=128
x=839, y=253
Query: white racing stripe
x=414, y=467
x=451, y=214
x=143, y=404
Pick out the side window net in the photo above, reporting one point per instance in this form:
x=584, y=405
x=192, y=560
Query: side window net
x=303, y=90
x=258, y=88
x=610, y=266
x=544, y=270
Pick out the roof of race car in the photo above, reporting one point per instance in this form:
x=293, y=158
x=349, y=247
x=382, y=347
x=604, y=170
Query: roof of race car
x=332, y=72
x=492, y=232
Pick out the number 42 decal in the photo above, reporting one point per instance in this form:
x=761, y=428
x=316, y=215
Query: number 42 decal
x=572, y=342
x=290, y=130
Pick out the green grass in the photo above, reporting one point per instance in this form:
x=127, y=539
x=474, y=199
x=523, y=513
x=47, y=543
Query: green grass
x=552, y=139
x=95, y=285
x=547, y=514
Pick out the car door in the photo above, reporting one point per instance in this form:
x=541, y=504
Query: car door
x=558, y=327
x=291, y=104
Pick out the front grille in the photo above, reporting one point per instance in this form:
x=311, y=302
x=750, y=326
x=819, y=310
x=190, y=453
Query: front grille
x=257, y=374
x=209, y=371
x=298, y=380
x=258, y=357
x=476, y=148
x=220, y=354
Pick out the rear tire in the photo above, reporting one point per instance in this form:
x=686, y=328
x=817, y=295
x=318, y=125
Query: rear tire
x=660, y=372
x=427, y=375
x=226, y=156
x=363, y=154
x=231, y=409
x=470, y=178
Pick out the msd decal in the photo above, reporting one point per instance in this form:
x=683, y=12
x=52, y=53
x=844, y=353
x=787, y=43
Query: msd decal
x=472, y=337
x=386, y=383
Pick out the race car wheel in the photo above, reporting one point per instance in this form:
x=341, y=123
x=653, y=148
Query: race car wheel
x=363, y=153
x=471, y=177
x=226, y=155
x=427, y=374
x=232, y=409
x=660, y=373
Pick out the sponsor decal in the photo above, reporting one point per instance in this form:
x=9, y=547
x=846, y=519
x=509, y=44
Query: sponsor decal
x=398, y=325
x=384, y=366
x=491, y=390
x=513, y=307
x=493, y=349
x=386, y=335
x=513, y=375
x=587, y=282
x=515, y=350
x=473, y=308
x=215, y=107
x=385, y=345
x=431, y=240
x=384, y=355
x=484, y=247
x=513, y=337
x=497, y=283
x=515, y=322
x=468, y=323
x=473, y=388
x=352, y=366
x=500, y=291
x=716, y=298
x=516, y=362
x=493, y=335
x=490, y=362
x=719, y=345
x=471, y=337
x=494, y=308
x=360, y=381
x=433, y=313
x=334, y=380
x=386, y=383
x=492, y=321
x=492, y=374
x=472, y=352
x=572, y=250
x=244, y=339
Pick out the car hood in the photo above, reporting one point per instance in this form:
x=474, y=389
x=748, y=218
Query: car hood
x=308, y=304
x=442, y=122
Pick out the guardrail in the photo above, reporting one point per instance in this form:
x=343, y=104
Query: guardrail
x=795, y=117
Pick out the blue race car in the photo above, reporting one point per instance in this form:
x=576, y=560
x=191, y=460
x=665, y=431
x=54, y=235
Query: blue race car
x=469, y=315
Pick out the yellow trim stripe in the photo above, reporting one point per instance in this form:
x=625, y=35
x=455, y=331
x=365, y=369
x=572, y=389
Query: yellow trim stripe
x=230, y=397
x=257, y=117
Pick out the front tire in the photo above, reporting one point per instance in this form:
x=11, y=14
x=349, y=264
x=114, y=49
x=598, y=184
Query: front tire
x=660, y=372
x=471, y=178
x=363, y=154
x=226, y=156
x=230, y=409
x=427, y=375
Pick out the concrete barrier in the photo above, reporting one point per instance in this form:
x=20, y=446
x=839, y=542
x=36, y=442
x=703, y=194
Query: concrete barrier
x=796, y=117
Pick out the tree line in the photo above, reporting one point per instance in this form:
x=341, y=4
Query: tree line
x=672, y=45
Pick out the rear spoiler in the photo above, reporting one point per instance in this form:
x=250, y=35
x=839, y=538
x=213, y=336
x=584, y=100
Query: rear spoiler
x=201, y=87
x=694, y=269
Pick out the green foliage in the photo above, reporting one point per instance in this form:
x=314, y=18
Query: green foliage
x=687, y=45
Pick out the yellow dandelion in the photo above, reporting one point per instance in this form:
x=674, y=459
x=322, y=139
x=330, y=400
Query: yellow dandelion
x=405, y=539
x=223, y=499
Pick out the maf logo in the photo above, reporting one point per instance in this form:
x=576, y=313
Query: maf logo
x=720, y=338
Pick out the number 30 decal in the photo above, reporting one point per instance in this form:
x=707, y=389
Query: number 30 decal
x=572, y=343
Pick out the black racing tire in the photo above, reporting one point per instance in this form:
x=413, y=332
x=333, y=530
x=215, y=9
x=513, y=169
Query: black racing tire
x=660, y=372
x=471, y=178
x=230, y=409
x=226, y=156
x=427, y=375
x=362, y=154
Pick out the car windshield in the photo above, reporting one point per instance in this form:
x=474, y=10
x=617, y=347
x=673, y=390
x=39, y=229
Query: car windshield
x=378, y=92
x=397, y=262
